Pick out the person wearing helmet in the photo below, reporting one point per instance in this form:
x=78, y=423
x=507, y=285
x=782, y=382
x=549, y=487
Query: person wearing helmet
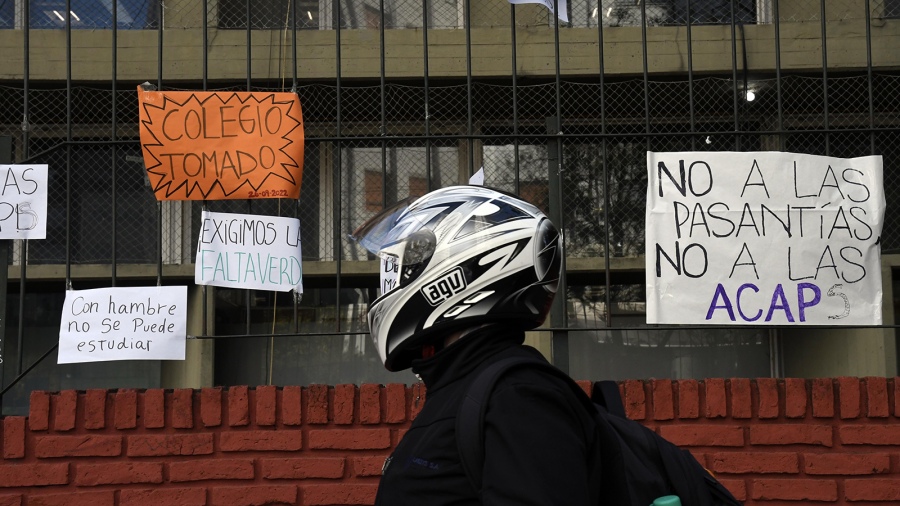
x=475, y=268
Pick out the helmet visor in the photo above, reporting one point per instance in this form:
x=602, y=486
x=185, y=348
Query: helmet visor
x=386, y=228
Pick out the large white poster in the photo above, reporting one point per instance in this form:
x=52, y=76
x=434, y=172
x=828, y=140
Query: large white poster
x=23, y=202
x=765, y=238
x=123, y=323
x=249, y=251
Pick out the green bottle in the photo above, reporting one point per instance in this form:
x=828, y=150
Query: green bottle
x=667, y=500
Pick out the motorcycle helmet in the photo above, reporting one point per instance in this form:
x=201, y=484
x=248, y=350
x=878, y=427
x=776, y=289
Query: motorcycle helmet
x=464, y=256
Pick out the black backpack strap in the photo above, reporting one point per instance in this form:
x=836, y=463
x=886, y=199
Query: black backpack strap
x=470, y=418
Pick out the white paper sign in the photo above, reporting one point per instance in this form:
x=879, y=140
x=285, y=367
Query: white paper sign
x=249, y=251
x=389, y=273
x=764, y=238
x=133, y=323
x=23, y=202
x=477, y=178
x=563, y=8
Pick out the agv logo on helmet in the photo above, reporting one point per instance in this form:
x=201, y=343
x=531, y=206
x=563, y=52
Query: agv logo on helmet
x=444, y=287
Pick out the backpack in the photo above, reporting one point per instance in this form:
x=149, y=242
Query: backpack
x=637, y=465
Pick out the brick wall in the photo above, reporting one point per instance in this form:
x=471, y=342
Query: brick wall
x=772, y=442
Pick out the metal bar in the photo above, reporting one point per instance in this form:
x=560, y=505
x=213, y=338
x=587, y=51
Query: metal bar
x=515, y=96
x=690, y=69
x=825, y=78
x=159, y=79
x=469, y=126
x=645, y=71
x=385, y=191
x=114, y=136
x=69, y=147
x=338, y=169
x=869, y=77
x=607, y=267
x=205, y=41
x=249, y=47
x=778, y=85
x=428, y=171
x=734, y=80
x=560, y=339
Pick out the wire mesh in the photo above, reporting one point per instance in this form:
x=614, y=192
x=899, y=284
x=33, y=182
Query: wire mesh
x=440, y=14
x=370, y=144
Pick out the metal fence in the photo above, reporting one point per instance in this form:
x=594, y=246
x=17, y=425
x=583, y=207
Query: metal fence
x=447, y=14
x=375, y=141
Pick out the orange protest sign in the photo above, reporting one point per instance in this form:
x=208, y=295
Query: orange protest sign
x=222, y=145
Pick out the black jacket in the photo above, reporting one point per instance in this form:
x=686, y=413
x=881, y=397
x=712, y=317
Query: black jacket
x=537, y=436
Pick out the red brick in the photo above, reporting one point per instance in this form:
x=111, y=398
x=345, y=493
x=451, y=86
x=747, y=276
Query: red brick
x=125, y=409
x=872, y=489
x=91, y=498
x=238, y=406
x=183, y=408
x=11, y=500
x=322, y=495
x=258, y=495
x=703, y=435
x=34, y=475
x=823, y=398
x=14, y=437
x=794, y=489
x=418, y=395
x=317, y=404
x=785, y=434
x=77, y=446
x=211, y=469
x=154, y=408
x=291, y=403
x=896, y=384
x=366, y=466
x=152, y=445
x=66, y=403
x=162, y=496
x=370, y=404
x=261, y=440
x=716, y=406
x=395, y=403
x=39, y=411
x=663, y=399
x=870, y=434
x=302, y=468
x=95, y=409
x=741, y=407
x=211, y=406
x=849, y=392
x=118, y=473
x=846, y=463
x=688, y=399
x=755, y=462
x=635, y=400
x=795, y=398
x=738, y=488
x=768, y=398
x=350, y=439
x=266, y=404
x=344, y=399
x=876, y=397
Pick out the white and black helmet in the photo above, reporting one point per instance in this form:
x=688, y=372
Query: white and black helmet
x=464, y=256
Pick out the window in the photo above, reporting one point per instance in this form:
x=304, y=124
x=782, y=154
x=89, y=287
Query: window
x=891, y=9
x=660, y=12
x=89, y=14
x=268, y=14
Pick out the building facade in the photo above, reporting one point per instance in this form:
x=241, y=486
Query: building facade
x=400, y=97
